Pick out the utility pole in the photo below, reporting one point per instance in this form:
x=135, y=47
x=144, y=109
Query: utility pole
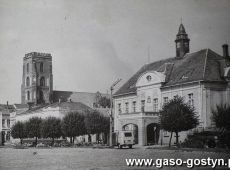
x=111, y=111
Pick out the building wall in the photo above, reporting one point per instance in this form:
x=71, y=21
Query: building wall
x=213, y=95
x=205, y=97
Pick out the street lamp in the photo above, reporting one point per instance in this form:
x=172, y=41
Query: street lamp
x=111, y=111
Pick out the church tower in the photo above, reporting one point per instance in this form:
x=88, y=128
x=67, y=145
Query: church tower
x=37, y=78
x=182, y=42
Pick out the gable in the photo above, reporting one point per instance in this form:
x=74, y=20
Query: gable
x=150, y=78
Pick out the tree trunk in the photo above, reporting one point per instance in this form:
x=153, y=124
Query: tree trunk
x=89, y=138
x=177, y=138
x=170, y=139
x=52, y=142
x=21, y=141
x=71, y=140
x=36, y=141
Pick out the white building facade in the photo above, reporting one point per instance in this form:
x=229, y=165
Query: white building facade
x=201, y=78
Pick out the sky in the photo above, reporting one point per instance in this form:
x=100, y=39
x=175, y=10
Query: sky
x=95, y=42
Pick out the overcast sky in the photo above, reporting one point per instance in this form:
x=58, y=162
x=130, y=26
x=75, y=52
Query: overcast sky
x=94, y=42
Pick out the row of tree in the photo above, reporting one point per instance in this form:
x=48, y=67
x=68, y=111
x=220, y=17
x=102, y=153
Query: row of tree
x=72, y=125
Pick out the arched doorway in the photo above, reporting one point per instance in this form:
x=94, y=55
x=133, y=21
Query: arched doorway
x=134, y=128
x=153, y=133
x=41, y=97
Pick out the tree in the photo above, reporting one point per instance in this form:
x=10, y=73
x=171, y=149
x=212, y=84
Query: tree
x=104, y=102
x=96, y=123
x=105, y=126
x=73, y=125
x=51, y=128
x=177, y=116
x=33, y=128
x=18, y=131
x=221, y=117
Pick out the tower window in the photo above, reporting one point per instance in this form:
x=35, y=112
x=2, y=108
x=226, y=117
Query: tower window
x=186, y=44
x=42, y=81
x=178, y=45
x=28, y=95
x=27, y=67
x=27, y=81
x=41, y=67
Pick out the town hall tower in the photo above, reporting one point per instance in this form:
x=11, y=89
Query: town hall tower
x=182, y=42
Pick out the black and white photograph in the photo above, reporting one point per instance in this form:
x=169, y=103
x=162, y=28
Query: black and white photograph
x=114, y=84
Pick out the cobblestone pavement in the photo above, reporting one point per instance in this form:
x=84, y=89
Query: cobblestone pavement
x=92, y=159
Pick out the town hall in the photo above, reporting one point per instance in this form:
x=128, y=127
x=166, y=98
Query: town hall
x=201, y=77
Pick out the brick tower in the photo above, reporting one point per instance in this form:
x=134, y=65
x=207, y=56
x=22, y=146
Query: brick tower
x=37, y=78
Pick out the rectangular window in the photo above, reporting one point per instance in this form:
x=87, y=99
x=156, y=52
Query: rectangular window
x=8, y=123
x=127, y=107
x=119, y=108
x=165, y=100
x=3, y=123
x=142, y=105
x=155, y=105
x=134, y=106
x=190, y=99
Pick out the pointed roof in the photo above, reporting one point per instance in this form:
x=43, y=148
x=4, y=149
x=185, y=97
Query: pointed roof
x=203, y=65
x=181, y=29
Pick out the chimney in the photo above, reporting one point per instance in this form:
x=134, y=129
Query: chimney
x=7, y=104
x=225, y=51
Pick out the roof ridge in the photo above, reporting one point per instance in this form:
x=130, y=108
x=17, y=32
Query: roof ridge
x=205, y=62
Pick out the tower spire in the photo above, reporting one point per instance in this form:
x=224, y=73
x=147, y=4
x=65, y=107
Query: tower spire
x=182, y=42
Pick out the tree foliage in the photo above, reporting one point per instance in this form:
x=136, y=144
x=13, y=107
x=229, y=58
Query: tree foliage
x=73, y=125
x=96, y=123
x=33, y=128
x=18, y=131
x=221, y=117
x=104, y=102
x=51, y=128
x=177, y=116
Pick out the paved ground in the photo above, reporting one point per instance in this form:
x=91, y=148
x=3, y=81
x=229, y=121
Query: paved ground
x=89, y=158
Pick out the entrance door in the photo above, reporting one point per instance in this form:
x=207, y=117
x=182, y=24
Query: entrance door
x=153, y=131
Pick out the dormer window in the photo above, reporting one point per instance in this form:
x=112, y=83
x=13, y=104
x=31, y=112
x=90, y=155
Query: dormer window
x=149, y=78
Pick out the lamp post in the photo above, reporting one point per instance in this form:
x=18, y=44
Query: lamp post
x=111, y=111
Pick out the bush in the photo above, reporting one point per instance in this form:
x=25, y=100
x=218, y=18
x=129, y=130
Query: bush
x=206, y=139
x=192, y=143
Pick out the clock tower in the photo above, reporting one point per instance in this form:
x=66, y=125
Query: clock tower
x=182, y=42
x=37, y=78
